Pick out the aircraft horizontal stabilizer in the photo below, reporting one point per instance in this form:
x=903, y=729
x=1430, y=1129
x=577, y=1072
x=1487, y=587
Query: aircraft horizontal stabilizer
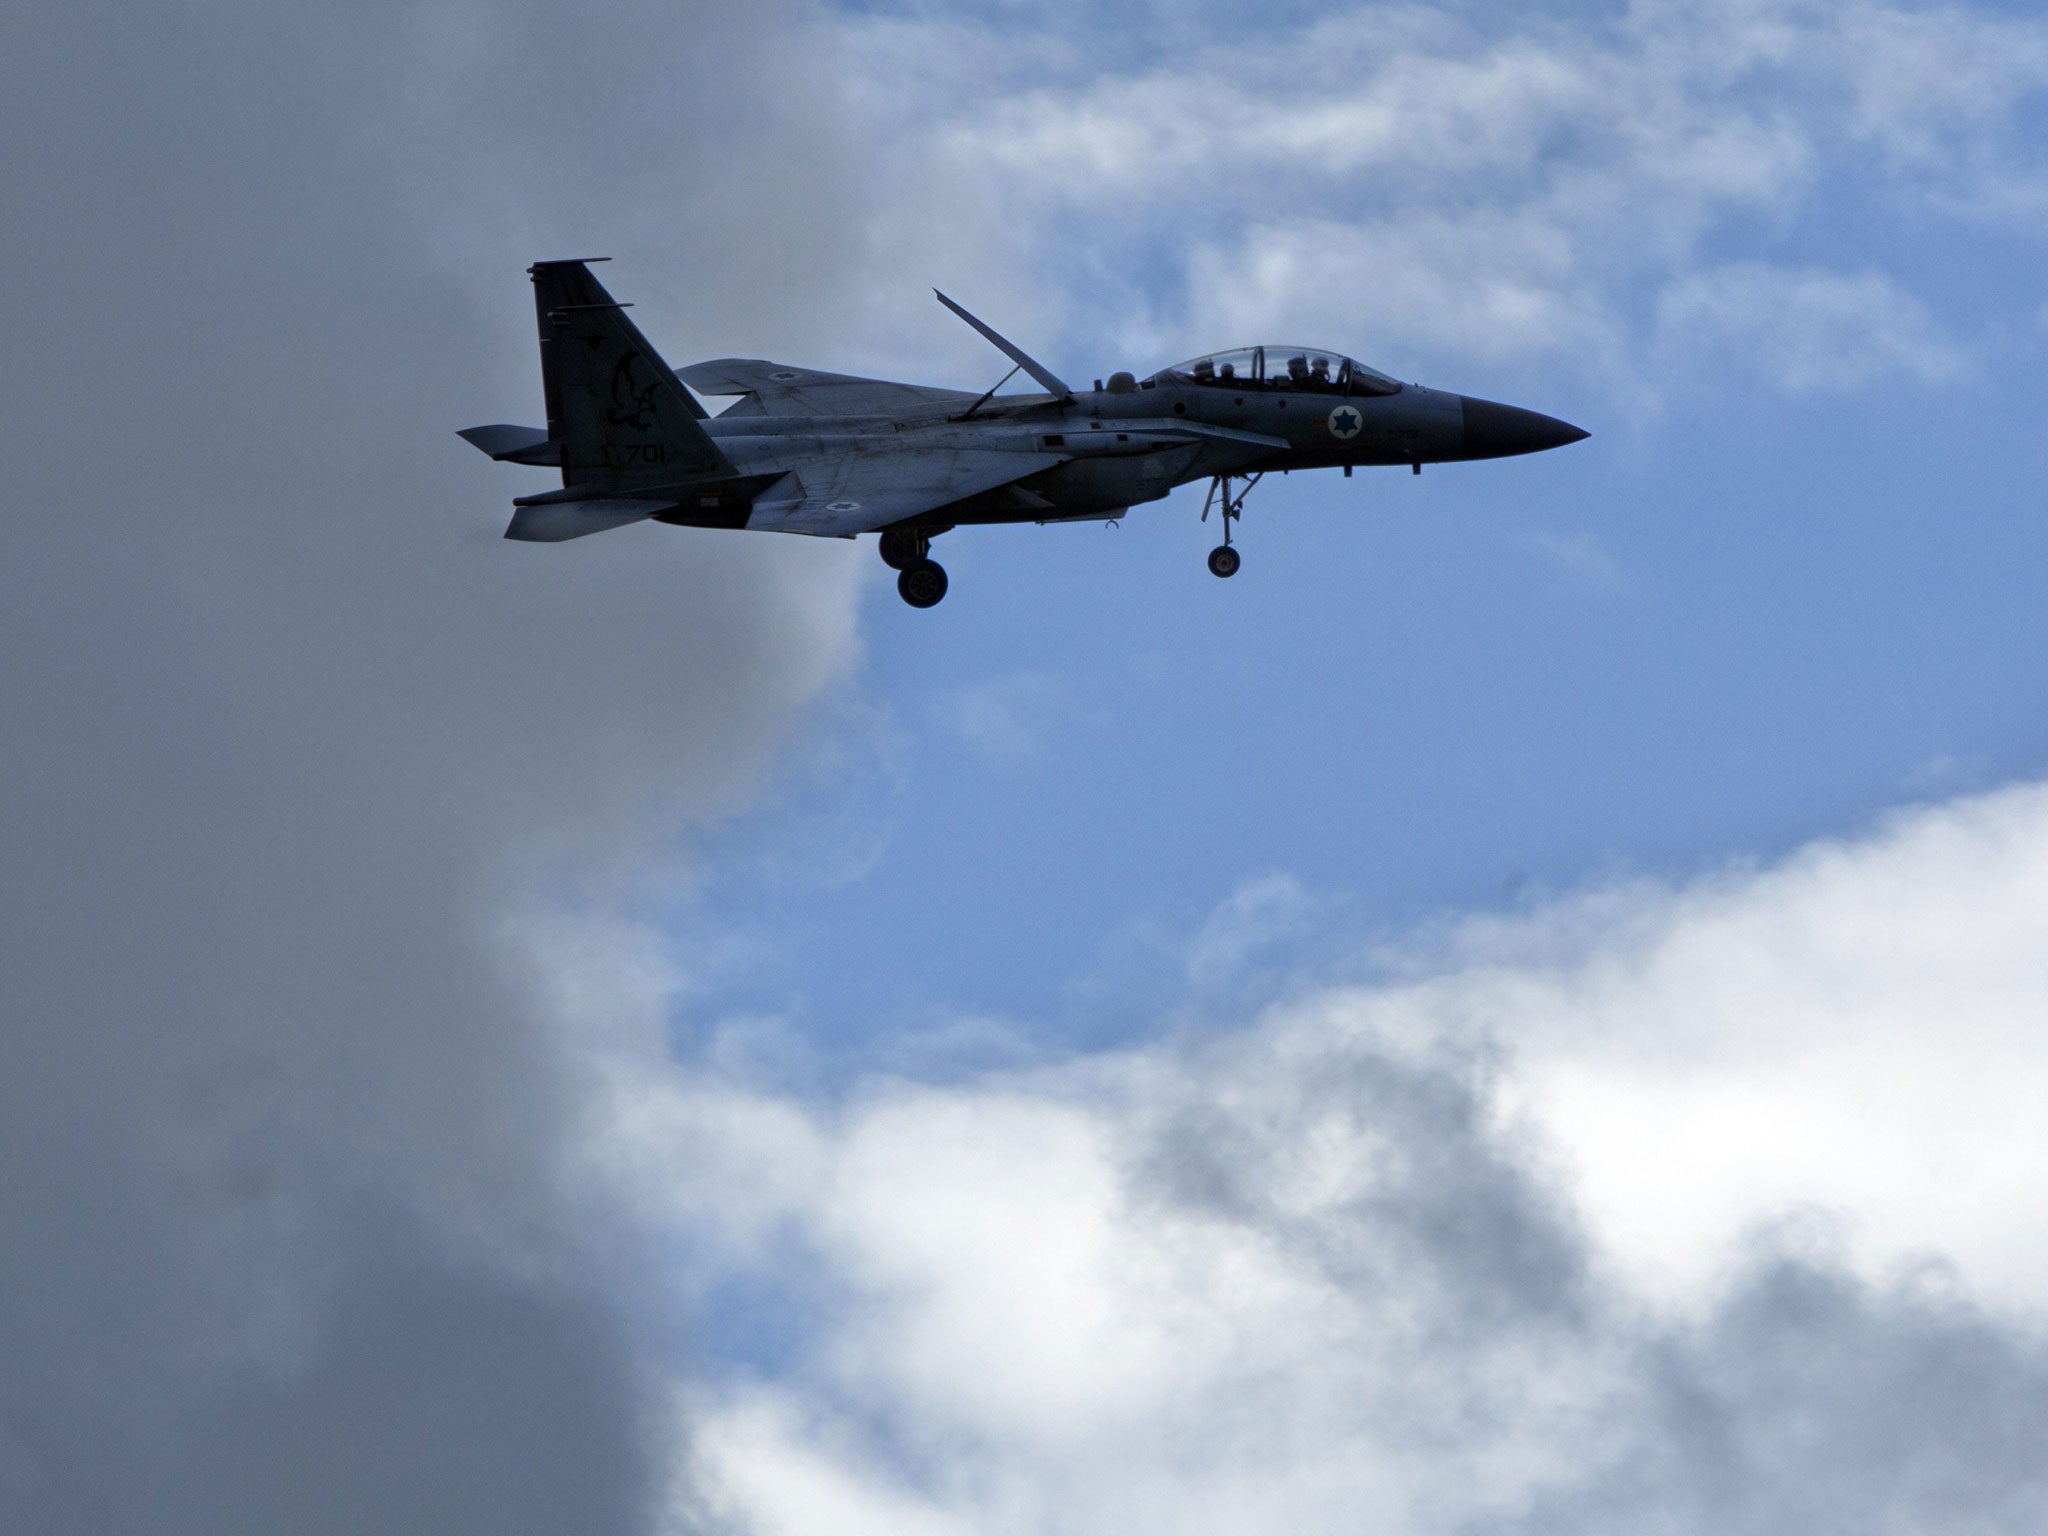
x=554, y=522
x=515, y=445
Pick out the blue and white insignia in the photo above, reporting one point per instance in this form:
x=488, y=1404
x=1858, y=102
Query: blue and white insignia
x=842, y=506
x=1346, y=422
x=784, y=375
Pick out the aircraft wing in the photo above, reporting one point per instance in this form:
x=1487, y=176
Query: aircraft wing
x=779, y=389
x=838, y=498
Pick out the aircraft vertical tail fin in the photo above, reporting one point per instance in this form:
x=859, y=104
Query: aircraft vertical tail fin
x=623, y=420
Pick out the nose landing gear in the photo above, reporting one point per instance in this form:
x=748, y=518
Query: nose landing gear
x=1224, y=559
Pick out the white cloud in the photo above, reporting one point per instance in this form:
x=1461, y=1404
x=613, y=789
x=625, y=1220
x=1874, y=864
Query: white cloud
x=1578, y=557
x=785, y=1476
x=1388, y=177
x=1861, y=1028
x=1009, y=720
x=1925, y=82
x=1803, y=329
x=1487, y=286
x=1612, y=1216
x=1253, y=916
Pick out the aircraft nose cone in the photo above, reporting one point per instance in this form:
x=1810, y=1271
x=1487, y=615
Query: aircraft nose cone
x=1494, y=431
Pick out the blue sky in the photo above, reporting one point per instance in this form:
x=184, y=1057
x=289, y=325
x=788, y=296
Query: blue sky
x=1790, y=583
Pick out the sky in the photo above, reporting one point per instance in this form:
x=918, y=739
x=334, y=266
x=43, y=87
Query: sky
x=1520, y=1013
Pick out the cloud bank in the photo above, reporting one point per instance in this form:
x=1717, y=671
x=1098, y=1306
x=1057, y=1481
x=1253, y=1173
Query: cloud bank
x=285, y=1241
x=1454, y=187
x=1695, y=1209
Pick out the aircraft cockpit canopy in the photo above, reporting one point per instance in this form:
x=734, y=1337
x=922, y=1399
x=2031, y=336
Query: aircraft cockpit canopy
x=1310, y=370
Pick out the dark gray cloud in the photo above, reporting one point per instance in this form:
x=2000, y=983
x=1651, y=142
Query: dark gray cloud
x=284, y=1239
x=1800, y=1395
x=1812, y=1400
x=1451, y=1210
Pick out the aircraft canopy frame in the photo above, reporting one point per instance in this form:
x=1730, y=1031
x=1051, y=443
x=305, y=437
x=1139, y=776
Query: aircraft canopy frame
x=1300, y=370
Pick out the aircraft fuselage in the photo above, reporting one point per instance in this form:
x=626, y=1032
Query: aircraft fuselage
x=1124, y=446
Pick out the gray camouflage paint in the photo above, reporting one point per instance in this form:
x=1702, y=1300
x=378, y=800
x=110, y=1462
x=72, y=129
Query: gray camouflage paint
x=836, y=456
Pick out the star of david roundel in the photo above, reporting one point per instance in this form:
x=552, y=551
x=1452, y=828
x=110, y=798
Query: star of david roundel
x=784, y=375
x=842, y=506
x=1346, y=422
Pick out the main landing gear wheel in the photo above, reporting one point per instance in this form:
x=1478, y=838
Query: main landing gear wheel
x=923, y=584
x=1223, y=561
x=902, y=549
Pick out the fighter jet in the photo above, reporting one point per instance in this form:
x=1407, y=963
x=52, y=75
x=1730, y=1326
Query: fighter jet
x=834, y=456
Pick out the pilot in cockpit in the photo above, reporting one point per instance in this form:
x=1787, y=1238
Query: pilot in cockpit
x=1229, y=372
x=1319, y=372
x=1205, y=371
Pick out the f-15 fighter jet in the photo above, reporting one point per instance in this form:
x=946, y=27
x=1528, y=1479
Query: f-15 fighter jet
x=835, y=456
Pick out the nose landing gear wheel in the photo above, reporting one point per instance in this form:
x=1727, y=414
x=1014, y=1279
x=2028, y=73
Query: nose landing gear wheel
x=923, y=584
x=1223, y=560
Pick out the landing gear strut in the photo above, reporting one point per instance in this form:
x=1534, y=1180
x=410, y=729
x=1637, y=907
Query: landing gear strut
x=1223, y=559
x=904, y=547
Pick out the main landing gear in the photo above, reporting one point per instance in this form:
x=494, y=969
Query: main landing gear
x=920, y=580
x=1223, y=559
